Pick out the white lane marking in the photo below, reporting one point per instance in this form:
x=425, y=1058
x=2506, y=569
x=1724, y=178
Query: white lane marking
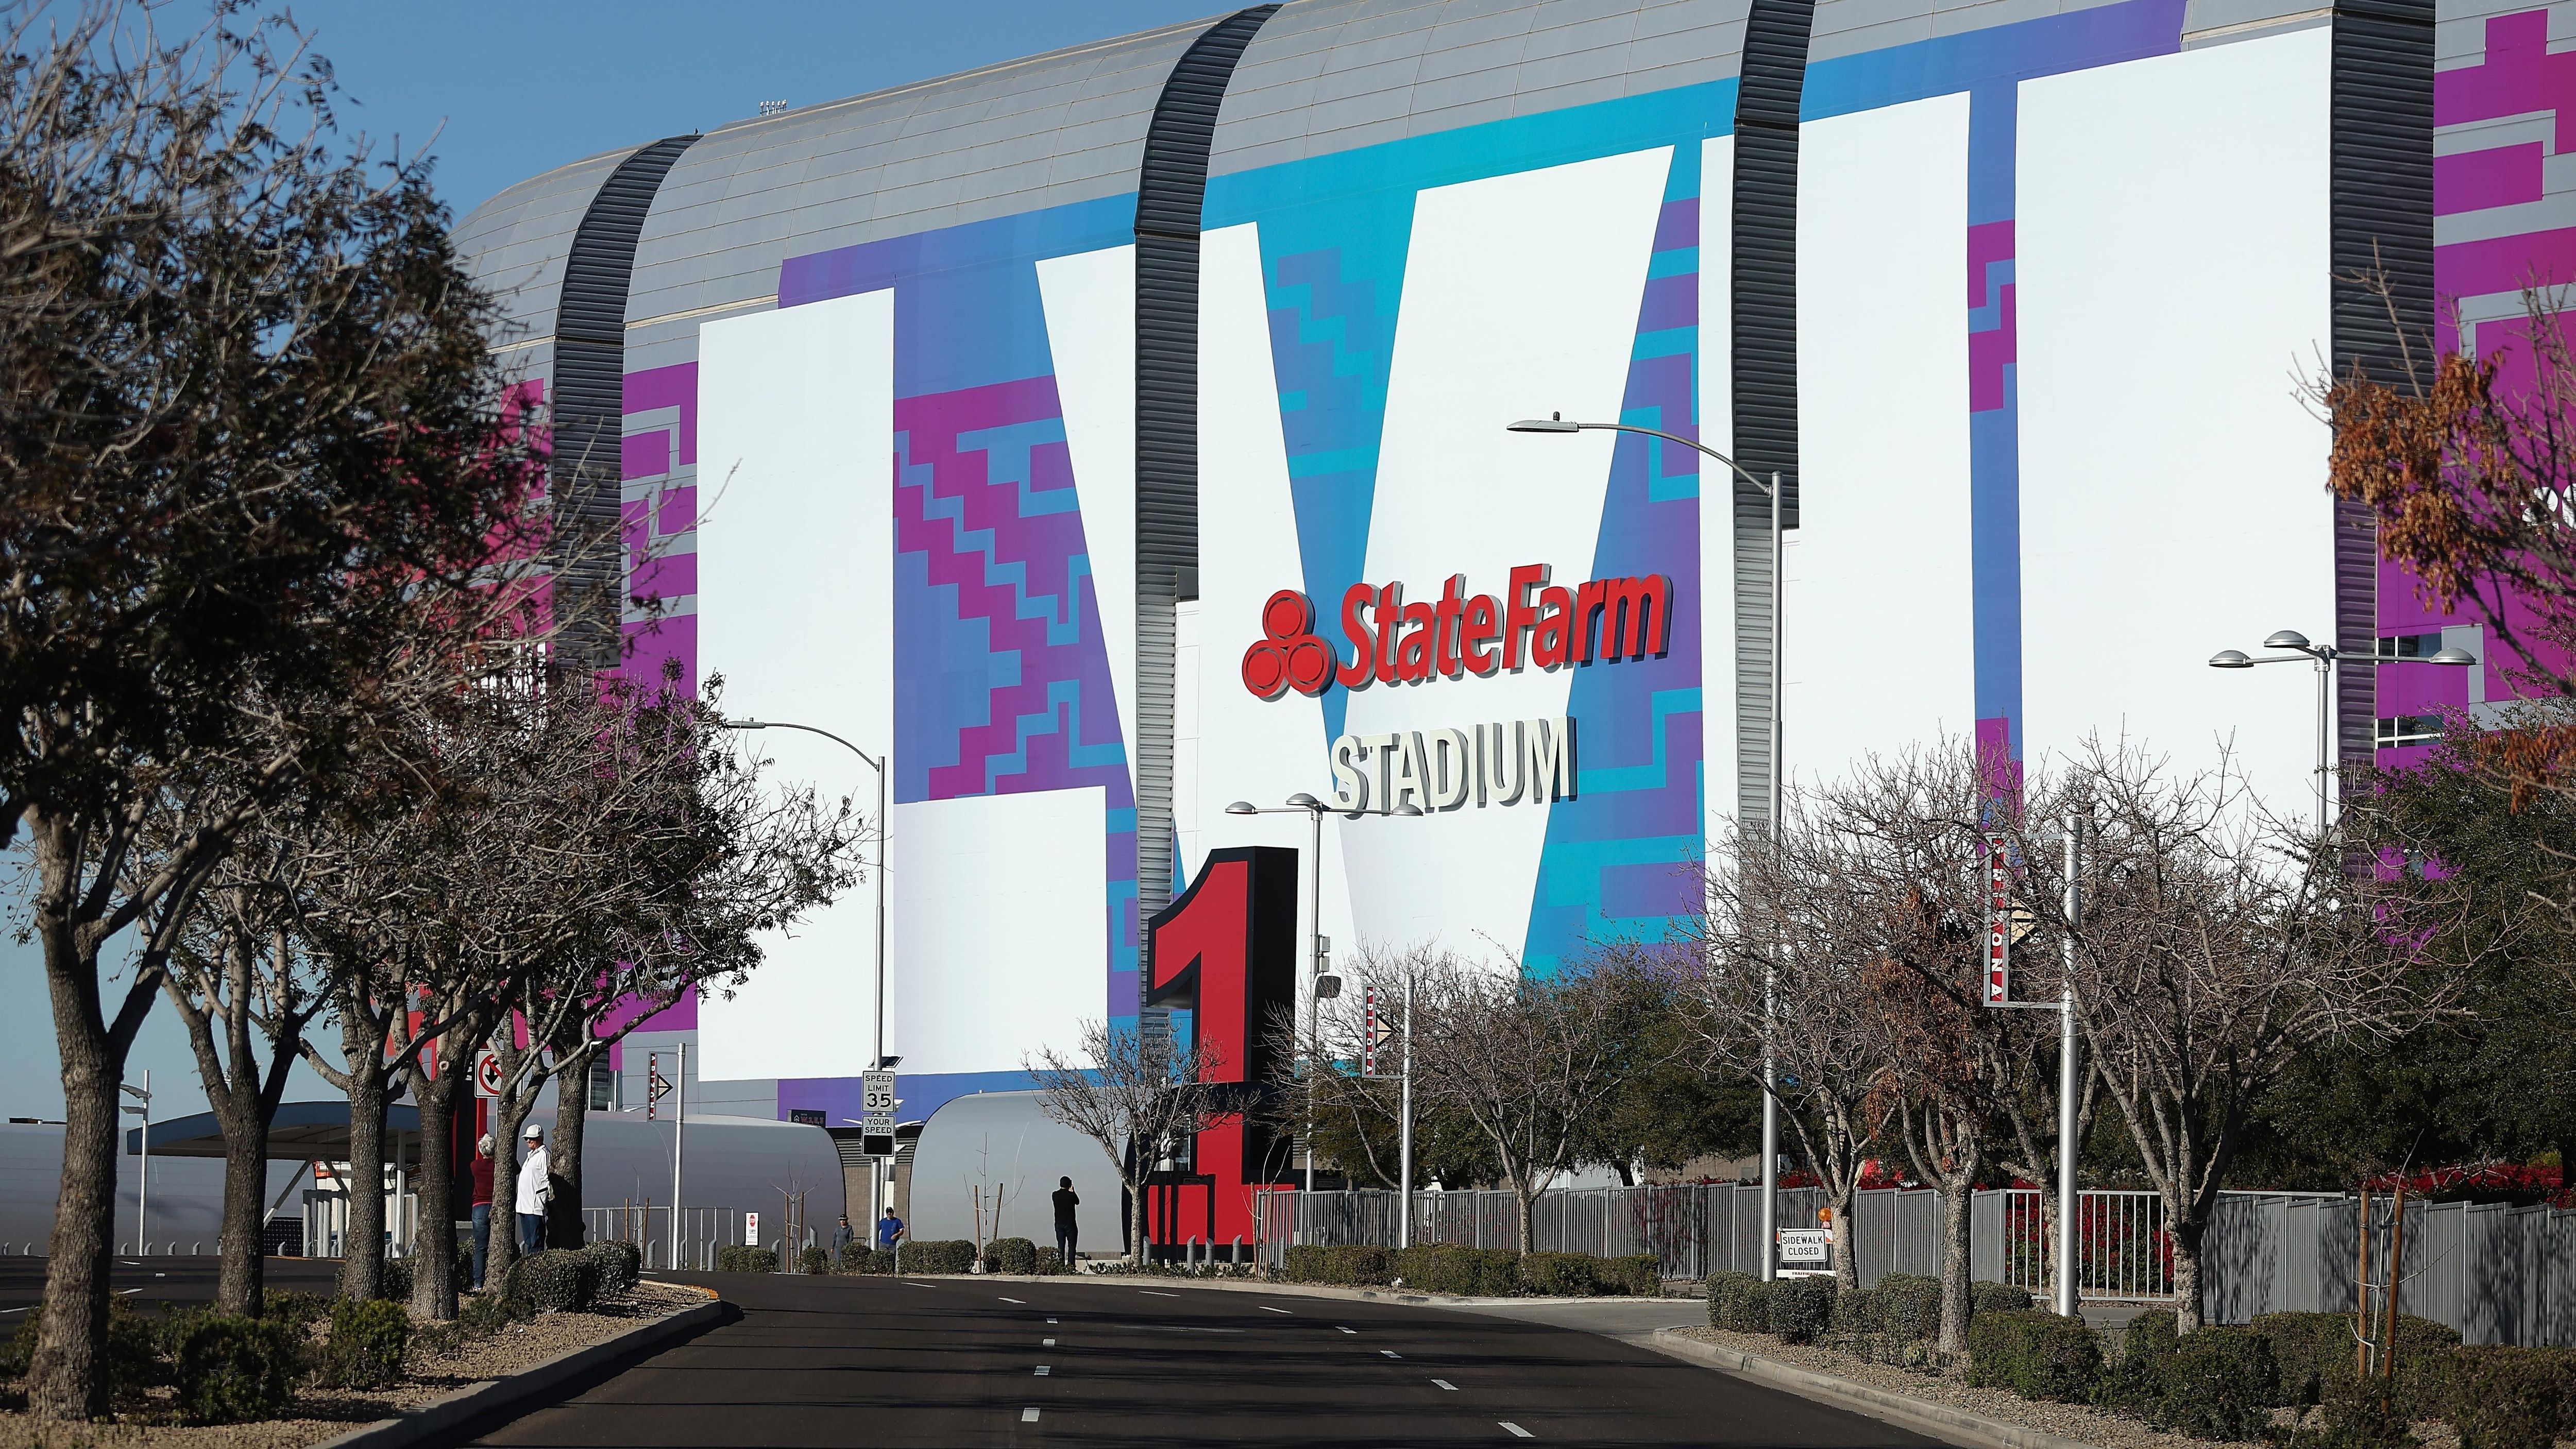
x=1517, y=1431
x=1351, y=1331
x=1150, y=1293
x=908, y=1283
x=1390, y=1353
x=1028, y=1416
x=17, y=1310
x=1046, y=1343
x=1021, y=1301
x=1444, y=1383
x=1050, y=1320
x=129, y=1290
x=1266, y=1308
x=1042, y=1370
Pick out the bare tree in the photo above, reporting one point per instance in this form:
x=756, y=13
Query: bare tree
x=250, y=412
x=1785, y=951
x=1525, y=1058
x=1139, y=1096
x=2213, y=951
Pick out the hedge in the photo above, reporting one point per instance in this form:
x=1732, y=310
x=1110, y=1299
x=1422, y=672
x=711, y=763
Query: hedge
x=1467, y=1272
x=1017, y=1256
x=558, y=1280
x=739, y=1258
x=368, y=1341
x=620, y=1265
x=1801, y=1308
x=1558, y=1275
x=1473, y=1272
x=2036, y=1355
x=860, y=1258
x=939, y=1255
x=1739, y=1303
x=2509, y=1398
x=227, y=1369
x=2315, y=1352
x=1996, y=1298
x=2218, y=1383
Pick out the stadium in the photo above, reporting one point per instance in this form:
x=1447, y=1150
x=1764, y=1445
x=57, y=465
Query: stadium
x=1102, y=438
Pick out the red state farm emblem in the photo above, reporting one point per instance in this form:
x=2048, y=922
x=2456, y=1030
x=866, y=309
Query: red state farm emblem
x=1293, y=656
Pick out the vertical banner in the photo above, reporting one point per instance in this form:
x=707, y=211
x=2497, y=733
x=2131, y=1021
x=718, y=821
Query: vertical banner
x=1998, y=922
x=1368, y=1035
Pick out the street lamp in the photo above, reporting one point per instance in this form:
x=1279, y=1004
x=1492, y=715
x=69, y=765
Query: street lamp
x=877, y=1183
x=2326, y=657
x=1315, y=810
x=1556, y=423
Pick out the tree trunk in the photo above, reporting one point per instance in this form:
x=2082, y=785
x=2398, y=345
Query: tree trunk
x=67, y=1380
x=2187, y=1234
x=1846, y=1245
x=1529, y=1218
x=433, y=1269
x=1956, y=1205
x=564, y=1226
x=362, y=1274
x=1139, y=1251
x=240, y=1271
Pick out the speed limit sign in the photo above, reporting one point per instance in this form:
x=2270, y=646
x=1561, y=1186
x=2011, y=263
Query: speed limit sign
x=487, y=1073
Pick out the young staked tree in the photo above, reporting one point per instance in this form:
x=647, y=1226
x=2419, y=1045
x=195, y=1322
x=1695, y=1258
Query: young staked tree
x=2214, y=950
x=1784, y=956
x=1525, y=1058
x=250, y=412
x=1139, y=1096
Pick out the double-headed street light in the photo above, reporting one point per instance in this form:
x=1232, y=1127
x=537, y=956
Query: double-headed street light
x=880, y=1179
x=1315, y=810
x=2326, y=656
x=1556, y=423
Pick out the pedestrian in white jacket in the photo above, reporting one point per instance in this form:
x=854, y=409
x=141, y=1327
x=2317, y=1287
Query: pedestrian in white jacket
x=534, y=1191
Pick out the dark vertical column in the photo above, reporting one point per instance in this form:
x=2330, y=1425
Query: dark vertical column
x=588, y=403
x=1765, y=342
x=2382, y=204
x=1170, y=184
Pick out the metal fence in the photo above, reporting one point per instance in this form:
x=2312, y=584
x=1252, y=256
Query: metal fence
x=702, y=1231
x=2498, y=1274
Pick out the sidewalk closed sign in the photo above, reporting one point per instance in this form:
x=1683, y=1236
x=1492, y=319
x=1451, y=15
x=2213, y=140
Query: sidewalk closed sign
x=1805, y=1245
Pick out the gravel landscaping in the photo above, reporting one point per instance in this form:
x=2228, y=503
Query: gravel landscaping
x=2071, y=1421
x=328, y=1413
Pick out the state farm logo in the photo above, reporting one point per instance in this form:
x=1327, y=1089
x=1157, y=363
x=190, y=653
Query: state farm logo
x=1393, y=642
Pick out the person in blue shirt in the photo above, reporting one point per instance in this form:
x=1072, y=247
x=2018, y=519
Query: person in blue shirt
x=889, y=1229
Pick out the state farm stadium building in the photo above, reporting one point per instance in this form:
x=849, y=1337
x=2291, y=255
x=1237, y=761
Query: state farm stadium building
x=984, y=422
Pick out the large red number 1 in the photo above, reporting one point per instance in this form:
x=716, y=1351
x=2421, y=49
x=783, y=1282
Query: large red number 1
x=1226, y=952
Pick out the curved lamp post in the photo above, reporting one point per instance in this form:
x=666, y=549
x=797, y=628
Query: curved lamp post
x=2326, y=656
x=1556, y=423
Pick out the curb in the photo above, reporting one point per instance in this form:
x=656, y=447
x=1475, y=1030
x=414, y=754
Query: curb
x=1293, y=1290
x=1940, y=1421
x=519, y=1391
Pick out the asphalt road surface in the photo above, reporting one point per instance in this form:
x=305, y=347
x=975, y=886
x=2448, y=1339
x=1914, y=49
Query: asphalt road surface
x=155, y=1281
x=957, y=1361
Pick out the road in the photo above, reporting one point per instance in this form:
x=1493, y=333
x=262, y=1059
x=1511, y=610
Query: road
x=952, y=1362
x=158, y=1281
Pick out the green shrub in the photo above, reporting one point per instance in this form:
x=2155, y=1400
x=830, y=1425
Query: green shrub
x=939, y=1255
x=857, y=1257
x=1450, y=1268
x=1860, y=1314
x=2316, y=1353
x=558, y=1280
x=2036, y=1355
x=1051, y=1264
x=1801, y=1308
x=2219, y=1383
x=1739, y=1303
x=2356, y=1418
x=1017, y=1256
x=1639, y=1276
x=1558, y=1275
x=368, y=1341
x=620, y=1265
x=394, y=1284
x=227, y=1370
x=2135, y=1383
x=1996, y=1298
x=1351, y=1264
x=289, y=1306
x=489, y=1313
x=814, y=1261
x=2510, y=1398
x=1909, y=1306
x=736, y=1258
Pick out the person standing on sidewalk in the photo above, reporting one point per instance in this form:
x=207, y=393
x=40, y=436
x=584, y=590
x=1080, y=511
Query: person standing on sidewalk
x=533, y=1192
x=1065, y=1202
x=482, y=1206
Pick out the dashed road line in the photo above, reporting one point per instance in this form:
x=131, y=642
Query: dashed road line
x=1517, y=1431
x=1046, y=1343
x=1150, y=1293
x=1351, y=1331
x=1266, y=1308
x=1028, y=1416
x=1390, y=1353
x=1050, y=1320
x=1444, y=1383
x=1042, y=1370
x=908, y=1283
x=1020, y=1301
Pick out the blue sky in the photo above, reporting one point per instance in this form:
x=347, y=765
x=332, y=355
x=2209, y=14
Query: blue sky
x=501, y=92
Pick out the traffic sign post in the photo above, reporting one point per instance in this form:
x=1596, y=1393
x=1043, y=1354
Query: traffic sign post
x=487, y=1074
x=877, y=1103
x=1810, y=1248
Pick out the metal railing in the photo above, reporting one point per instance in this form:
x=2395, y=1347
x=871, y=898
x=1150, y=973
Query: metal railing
x=702, y=1231
x=2123, y=1253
